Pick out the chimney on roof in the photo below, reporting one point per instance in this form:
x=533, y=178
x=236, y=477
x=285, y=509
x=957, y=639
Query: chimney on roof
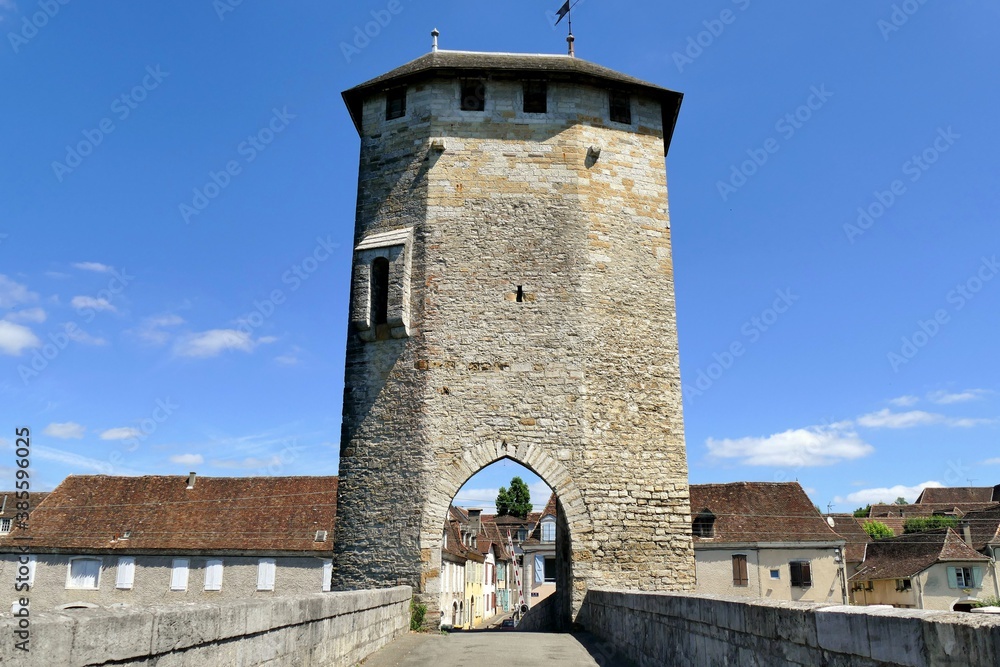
x=967, y=533
x=434, y=40
x=191, y=476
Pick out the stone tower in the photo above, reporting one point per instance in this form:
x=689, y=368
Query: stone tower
x=512, y=297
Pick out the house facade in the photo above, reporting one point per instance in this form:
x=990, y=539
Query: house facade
x=100, y=541
x=766, y=540
x=539, y=561
x=936, y=569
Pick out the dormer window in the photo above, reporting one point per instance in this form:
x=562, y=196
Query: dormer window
x=548, y=529
x=522, y=534
x=704, y=524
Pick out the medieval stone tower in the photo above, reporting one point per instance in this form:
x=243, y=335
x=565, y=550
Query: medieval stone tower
x=512, y=296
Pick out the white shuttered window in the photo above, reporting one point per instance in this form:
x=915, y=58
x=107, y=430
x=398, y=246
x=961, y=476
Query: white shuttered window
x=126, y=573
x=327, y=574
x=179, y=574
x=213, y=575
x=84, y=573
x=265, y=574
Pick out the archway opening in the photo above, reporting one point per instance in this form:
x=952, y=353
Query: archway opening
x=505, y=552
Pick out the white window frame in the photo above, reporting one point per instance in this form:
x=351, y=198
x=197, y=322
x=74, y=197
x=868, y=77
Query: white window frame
x=213, y=574
x=69, y=573
x=266, y=574
x=327, y=574
x=548, y=529
x=125, y=573
x=180, y=568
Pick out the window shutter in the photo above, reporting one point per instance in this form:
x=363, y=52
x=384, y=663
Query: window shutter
x=539, y=569
x=806, y=575
x=327, y=574
x=213, y=575
x=179, y=575
x=795, y=570
x=125, y=577
x=977, y=577
x=952, y=578
x=265, y=574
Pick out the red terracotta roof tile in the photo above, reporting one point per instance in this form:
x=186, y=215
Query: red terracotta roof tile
x=904, y=556
x=759, y=512
x=161, y=513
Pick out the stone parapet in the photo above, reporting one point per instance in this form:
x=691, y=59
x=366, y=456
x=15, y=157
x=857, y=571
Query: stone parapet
x=320, y=629
x=679, y=629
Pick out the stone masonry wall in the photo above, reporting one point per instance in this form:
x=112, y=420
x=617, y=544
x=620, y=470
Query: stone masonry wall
x=579, y=380
x=325, y=629
x=681, y=630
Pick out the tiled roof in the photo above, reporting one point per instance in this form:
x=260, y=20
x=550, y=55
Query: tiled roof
x=466, y=63
x=852, y=530
x=907, y=555
x=960, y=494
x=8, y=502
x=759, y=512
x=94, y=512
x=925, y=509
x=984, y=526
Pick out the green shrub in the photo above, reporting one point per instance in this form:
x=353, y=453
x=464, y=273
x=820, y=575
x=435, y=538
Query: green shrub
x=417, y=613
x=877, y=530
x=862, y=512
x=922, y=523
x=992, y=601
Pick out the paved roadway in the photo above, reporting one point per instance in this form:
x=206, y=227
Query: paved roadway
x=496, y=649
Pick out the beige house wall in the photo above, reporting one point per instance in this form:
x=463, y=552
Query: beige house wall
x=714, y=569
x=930, y=589
x=151, y=585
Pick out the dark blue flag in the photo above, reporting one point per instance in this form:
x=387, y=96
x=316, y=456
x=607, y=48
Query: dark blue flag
x=563, y=11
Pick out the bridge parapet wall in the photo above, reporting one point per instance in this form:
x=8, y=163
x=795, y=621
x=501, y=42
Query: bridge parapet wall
x=680, y=629
x=325, y=629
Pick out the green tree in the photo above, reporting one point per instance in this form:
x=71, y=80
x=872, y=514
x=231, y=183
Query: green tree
x=862, y=512
x=877, y=530
x=901, y=501
x=515, y=501
x=923, y=523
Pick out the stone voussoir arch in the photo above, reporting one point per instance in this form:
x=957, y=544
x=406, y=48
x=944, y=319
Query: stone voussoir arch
x=536, y=459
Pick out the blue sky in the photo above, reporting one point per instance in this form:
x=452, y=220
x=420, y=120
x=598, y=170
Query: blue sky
x=177, y=186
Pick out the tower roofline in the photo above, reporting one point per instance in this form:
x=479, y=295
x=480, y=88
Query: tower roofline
x=549, y=66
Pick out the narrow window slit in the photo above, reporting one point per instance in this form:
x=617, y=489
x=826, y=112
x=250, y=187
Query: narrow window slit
x=520, y=294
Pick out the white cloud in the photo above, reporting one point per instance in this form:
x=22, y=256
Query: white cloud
x=214, y=342
x=266, y=340
x=14, y=293
x=188, y=459
x=93, y=266
x=886, y=494
x=78, y=335
x=946, y=398
x=120, y=433
x=904, y=401
x=287, y=360
x=15, y=338
x=812, y=446
x=78, y=463
x=888, y=419
x=151, y=329
x=82, y=302
x=992, y=462
x=65, y=430
x=34, y=315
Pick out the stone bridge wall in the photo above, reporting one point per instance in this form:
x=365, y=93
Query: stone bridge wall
x=705, y=631
x=327, y=629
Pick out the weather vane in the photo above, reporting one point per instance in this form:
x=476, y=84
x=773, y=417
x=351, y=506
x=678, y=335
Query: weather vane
x=567, y=11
